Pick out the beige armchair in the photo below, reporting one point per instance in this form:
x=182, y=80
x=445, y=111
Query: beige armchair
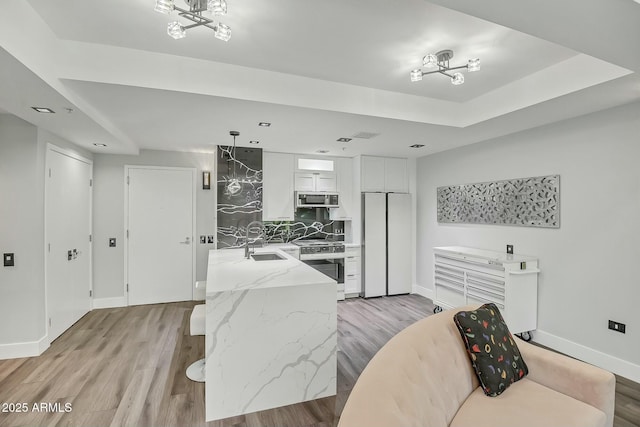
x=422, y=377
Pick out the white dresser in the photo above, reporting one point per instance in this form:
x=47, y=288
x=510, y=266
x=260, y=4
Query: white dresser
x=474, y=276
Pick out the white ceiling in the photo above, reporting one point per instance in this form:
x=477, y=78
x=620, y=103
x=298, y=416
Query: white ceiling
x=316, y=70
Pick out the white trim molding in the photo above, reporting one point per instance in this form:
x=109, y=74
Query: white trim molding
x=24, y=349
x=618, y=366
x=421, y=290
x=109, y=302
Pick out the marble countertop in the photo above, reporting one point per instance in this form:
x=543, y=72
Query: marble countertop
x=229, y=270
x=485, y=254
x=280, y=245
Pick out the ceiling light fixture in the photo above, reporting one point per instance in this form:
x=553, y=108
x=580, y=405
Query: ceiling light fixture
x=44, y=110
x=322, y=151
x=264, y=124
x=343, y=139
x=97, y=144
x=254, y=142
x=416, y=146
x=441, y=61
x=195, y=14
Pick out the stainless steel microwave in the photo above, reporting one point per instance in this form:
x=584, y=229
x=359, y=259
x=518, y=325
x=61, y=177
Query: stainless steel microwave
x=317, y=200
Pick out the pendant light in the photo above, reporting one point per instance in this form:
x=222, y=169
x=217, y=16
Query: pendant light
x=234, y=185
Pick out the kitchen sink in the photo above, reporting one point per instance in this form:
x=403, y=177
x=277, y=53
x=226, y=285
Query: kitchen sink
x=270, y=256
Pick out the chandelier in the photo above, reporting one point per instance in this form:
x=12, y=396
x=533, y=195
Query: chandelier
x=195, y=14
x=233, y=184
x=441, y=61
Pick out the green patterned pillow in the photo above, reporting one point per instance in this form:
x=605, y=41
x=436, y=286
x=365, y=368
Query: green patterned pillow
x=491, y=347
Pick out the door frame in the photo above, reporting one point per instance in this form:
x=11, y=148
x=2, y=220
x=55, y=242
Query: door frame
x=193, y=171
x=74, y=155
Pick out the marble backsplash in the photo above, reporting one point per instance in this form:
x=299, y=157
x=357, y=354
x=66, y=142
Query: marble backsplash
x=308, y=224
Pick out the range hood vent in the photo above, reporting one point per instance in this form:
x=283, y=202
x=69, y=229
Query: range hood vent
x=365, y=135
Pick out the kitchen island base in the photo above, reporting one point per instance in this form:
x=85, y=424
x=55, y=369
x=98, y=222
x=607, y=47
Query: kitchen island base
x=270, y=346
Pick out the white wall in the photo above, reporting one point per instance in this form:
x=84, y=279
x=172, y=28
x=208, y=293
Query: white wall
x=22, y=287
x=589, y=265
x=108, y=213
x=21, y=231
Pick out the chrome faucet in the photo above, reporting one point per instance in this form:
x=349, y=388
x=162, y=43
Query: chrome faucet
x=246, y=243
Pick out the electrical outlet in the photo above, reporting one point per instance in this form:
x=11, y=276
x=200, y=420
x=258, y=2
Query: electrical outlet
x=617, y=326
x=9, y=259
x=112, y=242
x=510, y=249
x=209, y=239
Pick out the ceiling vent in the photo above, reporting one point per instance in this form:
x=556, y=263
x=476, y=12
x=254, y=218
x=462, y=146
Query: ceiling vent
x=365, y=135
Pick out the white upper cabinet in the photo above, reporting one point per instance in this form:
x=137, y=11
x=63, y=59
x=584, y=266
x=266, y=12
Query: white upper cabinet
x=372, y=173
x=344, y=170
x=316, y=181
x=384, y=174
x=277, y=187
x=395, y=175
x=315, y=174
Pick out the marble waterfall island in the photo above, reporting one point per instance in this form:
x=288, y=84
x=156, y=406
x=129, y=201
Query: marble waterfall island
x=271, y=333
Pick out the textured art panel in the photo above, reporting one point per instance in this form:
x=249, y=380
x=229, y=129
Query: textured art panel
x=239, y=186
x=533, y=202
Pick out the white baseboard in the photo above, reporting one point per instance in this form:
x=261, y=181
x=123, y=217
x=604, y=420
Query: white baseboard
x=109, y=302
x=421, y=290
x=24, y=349
x=605, y=361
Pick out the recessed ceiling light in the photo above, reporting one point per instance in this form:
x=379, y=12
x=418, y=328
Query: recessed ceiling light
x=100, y=145
x=43, y=110
x=417, y=146
x=254, y=142
x=343, y=139
x=322, y=151
x=264, y=124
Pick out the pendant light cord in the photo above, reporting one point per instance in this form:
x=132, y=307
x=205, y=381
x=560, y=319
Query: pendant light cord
x=234, y=157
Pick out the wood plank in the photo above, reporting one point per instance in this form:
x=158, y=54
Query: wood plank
x=132, y=404
x=125, y=366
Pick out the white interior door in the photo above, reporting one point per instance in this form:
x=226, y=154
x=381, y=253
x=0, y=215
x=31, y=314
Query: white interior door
x=160, y=226
x=399, y=243
x=68, y=230
x=374, y=245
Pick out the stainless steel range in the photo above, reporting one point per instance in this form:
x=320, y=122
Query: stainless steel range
x=325, y=256
x=320, y=249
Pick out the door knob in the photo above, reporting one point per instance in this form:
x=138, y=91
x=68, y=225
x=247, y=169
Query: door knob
x=187, y=241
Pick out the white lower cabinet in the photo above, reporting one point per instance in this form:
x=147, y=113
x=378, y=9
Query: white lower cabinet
x=352, y=281
x=465, y=276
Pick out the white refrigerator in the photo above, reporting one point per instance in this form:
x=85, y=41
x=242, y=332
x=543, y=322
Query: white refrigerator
x=386, y=244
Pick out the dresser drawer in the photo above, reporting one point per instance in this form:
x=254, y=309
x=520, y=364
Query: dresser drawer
x=470, y=265
x=452, y=297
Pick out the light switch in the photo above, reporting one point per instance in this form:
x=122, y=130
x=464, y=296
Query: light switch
x=112, y=242
x=9, y=259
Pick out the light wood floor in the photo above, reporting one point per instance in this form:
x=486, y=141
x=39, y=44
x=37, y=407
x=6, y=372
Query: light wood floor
x=125, y=367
